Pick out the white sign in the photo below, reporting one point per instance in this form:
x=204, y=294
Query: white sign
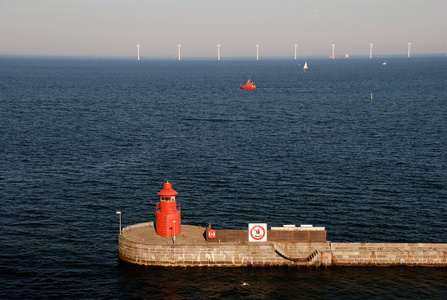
x=257, y=232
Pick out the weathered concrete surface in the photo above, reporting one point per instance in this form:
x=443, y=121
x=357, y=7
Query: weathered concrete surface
x=389, y=254
x=141, y=245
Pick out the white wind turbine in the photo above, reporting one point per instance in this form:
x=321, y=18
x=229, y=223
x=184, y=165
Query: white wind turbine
x=296, y=47
x=257, y=51
x=218, y=51
x=138, y=47
x=371, y=50
x=409, y=47
x=333, y=51
x=179, y=46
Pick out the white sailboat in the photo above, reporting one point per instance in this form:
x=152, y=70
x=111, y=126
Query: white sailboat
x=305, y=67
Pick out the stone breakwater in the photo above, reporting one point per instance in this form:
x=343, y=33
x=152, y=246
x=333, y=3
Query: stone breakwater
x=139, y=244
x=388, y=254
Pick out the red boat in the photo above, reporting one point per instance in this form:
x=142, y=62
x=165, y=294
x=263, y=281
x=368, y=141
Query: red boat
x=248, y=86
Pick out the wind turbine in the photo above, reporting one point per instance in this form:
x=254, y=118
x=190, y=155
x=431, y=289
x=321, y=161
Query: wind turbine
x=138, y=47
x=296, y=47
x=409, y=47
x=371, y=50
x=257, y=51
x=333, y=51
x=179, y=46
x=218, y=51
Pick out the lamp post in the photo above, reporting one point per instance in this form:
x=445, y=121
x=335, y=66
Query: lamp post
x=119, y=213
x=174, y=232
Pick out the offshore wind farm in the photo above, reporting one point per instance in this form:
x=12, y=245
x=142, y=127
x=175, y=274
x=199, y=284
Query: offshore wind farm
x=295, y=47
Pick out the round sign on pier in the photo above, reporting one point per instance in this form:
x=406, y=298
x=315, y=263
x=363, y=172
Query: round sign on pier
x=257, y=232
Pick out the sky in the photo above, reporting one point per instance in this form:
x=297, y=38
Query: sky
x=114, y=27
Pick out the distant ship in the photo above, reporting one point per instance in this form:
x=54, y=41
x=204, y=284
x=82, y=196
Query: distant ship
x=384, y=63
x=305, y=67
x=346, y=56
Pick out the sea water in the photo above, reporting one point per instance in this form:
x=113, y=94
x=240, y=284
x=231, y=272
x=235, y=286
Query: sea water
x=352, y=145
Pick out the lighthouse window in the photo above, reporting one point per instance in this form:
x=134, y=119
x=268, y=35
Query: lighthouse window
x=167, y=199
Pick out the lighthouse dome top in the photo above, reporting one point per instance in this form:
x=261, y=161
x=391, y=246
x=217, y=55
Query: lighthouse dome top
x=167, y=190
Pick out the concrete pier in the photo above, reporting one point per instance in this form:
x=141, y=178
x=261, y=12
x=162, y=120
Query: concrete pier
x=140, y=244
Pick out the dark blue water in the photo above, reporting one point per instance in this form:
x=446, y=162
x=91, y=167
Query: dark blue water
x=82, y=139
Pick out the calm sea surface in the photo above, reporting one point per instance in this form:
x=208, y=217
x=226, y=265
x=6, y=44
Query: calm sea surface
x=82, y=139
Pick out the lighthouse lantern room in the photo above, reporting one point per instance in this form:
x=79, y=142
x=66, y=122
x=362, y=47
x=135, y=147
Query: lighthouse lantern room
x=168, y=212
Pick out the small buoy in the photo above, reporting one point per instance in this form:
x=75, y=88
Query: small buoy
x=371, y=96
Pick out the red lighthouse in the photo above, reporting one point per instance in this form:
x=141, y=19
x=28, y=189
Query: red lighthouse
x=168, y=212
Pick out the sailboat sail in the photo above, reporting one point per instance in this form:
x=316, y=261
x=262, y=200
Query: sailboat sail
x=305, y=67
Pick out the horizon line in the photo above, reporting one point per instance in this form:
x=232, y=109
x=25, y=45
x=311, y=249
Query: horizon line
x=172, y=57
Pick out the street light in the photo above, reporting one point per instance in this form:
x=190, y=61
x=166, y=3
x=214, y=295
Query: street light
x=174, y=232
x=119, y=213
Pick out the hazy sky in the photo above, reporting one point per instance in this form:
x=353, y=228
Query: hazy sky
x=113, y=28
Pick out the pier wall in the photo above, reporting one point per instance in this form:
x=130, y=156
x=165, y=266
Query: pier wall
x=389, y=254
x=272, y=236
x=227, y=255
x=137, y=249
